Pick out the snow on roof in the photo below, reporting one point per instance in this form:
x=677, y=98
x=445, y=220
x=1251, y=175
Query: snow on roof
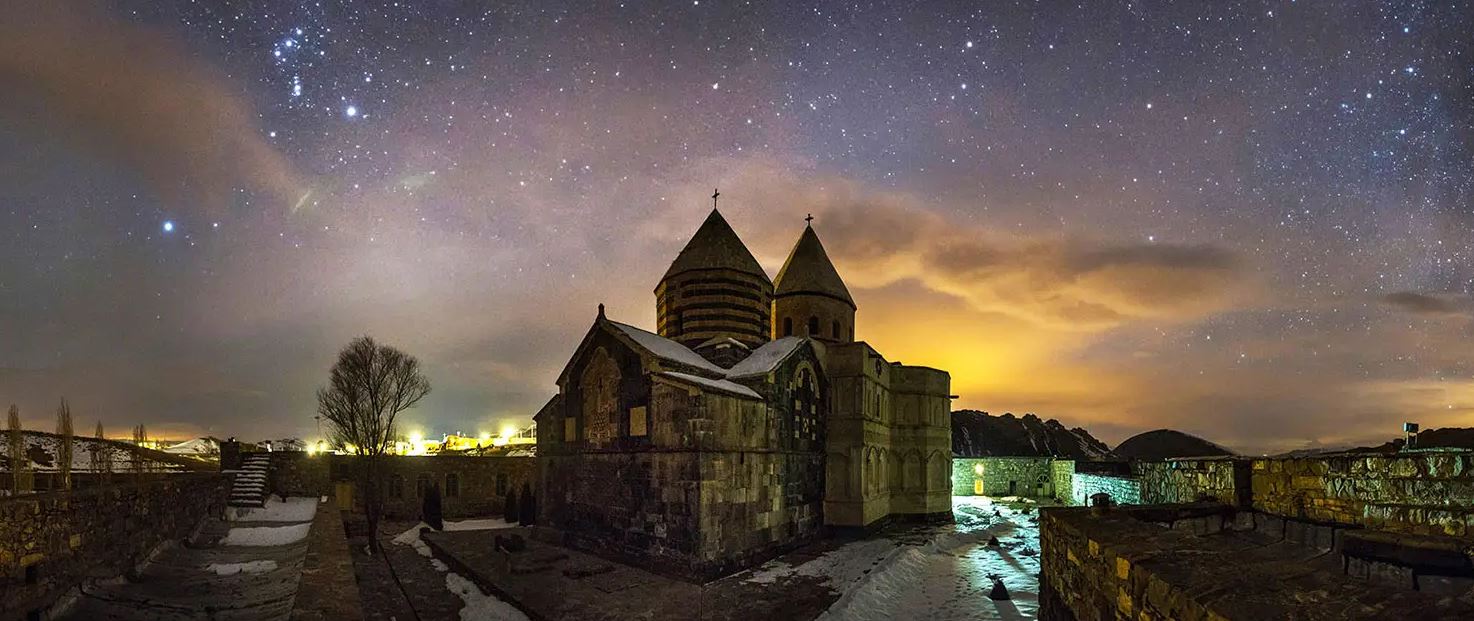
x=714, y=384
x=764, y=359
x=667, y=349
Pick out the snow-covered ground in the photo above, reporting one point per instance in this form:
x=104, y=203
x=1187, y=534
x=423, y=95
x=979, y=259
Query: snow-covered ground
x=277, y=509
x=949, y=576
x=42, y=450
x=266, y=535
x=478, y=606
x=248, y=567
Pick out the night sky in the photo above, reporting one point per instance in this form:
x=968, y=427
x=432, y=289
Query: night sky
x=1249, y=221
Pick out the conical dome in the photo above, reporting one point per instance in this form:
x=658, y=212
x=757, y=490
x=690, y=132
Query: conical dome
x=715, y=246
x=714, y=289
x=808, y=270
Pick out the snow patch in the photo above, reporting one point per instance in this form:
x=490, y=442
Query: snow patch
x=249, y=567
x=266, y=535
x=480, y=606
x=278, y=510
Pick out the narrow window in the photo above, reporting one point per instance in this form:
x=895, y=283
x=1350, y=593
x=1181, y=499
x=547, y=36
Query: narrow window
x=787, y=326
x=452, y=485
x=570, y=429
x=813, y=326
x=396, y=486
x=501, y=484
x=639, y=425
x=835, y=331
x=422, y=483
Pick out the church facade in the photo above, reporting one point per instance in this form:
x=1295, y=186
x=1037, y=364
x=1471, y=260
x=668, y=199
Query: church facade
x=750, y=422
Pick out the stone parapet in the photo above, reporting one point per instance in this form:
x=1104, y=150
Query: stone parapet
x=50, y=543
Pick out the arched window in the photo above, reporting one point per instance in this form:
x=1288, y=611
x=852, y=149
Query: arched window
x=835, y=331
x=813, y=326
x=787, y=326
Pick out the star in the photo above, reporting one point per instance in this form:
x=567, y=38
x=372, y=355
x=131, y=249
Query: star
x=168, y=226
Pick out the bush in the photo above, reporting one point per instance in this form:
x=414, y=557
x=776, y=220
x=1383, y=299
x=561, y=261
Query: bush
x=527, y=507
x=509, y=507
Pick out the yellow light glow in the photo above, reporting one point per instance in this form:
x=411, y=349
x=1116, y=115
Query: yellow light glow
x=416, y=438
x=508, y=431
x=485, y=436
x=501, y=441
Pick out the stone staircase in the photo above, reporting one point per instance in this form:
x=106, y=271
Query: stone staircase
x=249, y=486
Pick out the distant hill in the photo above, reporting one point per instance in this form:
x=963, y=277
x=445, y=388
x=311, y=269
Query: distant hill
x=1447, y=437
x=1167, y=443
x=42, y=449
x=979, y=434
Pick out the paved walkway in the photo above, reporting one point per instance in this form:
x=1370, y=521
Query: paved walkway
x=245, y=570
x=908, y=572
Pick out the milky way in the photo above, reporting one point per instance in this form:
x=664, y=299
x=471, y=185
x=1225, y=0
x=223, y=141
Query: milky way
x=1250, y=221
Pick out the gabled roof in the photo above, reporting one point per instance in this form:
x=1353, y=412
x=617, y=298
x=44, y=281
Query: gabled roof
x=766, y=358
x=727, y=386
x=808, y=270
x=666, y=349
x=715, y=246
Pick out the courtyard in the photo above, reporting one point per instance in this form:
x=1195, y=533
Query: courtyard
x=924, y=571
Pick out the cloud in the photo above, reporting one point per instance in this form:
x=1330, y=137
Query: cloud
x=1426, y=304
x=1063, y=281
x=133, y=95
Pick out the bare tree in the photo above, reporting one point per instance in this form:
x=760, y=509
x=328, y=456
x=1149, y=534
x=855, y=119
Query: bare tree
x=140, y=437
x=102, y=458
x=17, y=450
x=64, y=443
x=369, y=386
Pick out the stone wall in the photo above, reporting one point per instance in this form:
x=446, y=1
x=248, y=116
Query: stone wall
x=1003, y=476
x=469, y=486
x=50, y=542
x=1428, y=492
x=1201, y=561
x=1225, y=479
x=1122, y=490
x=297, y=473
x=1063, y=472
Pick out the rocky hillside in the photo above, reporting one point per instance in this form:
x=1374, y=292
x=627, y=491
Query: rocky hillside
x=1167, y=443
x=979, y=434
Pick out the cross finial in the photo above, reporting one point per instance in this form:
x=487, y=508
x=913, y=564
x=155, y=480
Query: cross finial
x=809, y=220
x=714, y=195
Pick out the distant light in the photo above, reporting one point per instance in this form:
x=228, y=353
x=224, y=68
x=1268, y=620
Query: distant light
x=168, y=226
x=969, y=44
x=715, y=85
x=352, y=111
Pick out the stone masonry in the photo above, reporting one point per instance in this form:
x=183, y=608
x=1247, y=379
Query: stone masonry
x=50, y=542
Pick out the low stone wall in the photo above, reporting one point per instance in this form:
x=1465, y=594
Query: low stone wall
x=1225, y=479
x=50, y=542
x=469, y=486
x=298, y=473
x=328, y=589
x=1427, y=492
x=1003, y=476
x=1122, y=490
x=1208, y=561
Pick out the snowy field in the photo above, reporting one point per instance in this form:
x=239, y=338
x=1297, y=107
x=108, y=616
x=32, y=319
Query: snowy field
x=478, y=606
x=41, y=452
x=949, y=576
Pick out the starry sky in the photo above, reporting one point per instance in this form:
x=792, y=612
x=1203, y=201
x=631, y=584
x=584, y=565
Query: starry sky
x=1252, y=221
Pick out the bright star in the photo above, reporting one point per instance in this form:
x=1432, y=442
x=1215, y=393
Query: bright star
x=168, y=226
x=352, y=111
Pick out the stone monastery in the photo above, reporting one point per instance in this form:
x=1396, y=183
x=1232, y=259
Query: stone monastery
x=752, y=422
